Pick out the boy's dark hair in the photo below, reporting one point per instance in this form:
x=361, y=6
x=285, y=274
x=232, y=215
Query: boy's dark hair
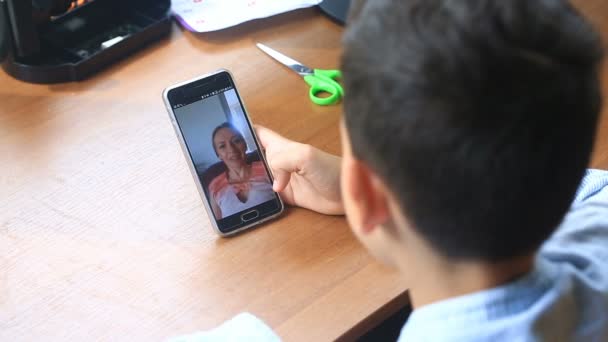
x=480, y=115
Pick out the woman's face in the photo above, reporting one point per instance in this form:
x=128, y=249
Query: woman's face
x=230, y=147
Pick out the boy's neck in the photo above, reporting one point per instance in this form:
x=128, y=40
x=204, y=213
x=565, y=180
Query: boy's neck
x=449, y=279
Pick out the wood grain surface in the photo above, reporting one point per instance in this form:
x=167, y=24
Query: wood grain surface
x=104, y=237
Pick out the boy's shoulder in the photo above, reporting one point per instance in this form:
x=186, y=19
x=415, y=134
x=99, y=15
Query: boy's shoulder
x=555, y=302
x=565, y=297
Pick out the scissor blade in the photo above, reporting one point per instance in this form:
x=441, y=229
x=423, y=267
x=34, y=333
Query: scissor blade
x=292, y=64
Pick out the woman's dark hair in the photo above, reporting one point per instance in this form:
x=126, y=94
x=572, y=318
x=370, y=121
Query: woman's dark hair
x=480, y=115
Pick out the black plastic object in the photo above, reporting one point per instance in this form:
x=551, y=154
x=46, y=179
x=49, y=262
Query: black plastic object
x=336, y=9
x=20, y=15
x=44, y=9
x=84, y=40
x=4, y=33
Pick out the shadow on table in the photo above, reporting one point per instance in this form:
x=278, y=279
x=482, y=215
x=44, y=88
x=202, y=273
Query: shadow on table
x=389, y=329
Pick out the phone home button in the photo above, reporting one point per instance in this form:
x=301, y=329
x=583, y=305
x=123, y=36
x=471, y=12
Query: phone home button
x=250, y=215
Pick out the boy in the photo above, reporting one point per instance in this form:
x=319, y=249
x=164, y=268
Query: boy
x=468, y=125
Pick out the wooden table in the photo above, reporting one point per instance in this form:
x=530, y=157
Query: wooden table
x=103, y=235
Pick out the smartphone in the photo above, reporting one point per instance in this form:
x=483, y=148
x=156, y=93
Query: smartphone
x=222, y=152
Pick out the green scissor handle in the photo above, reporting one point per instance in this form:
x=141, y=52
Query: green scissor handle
x=324, y=81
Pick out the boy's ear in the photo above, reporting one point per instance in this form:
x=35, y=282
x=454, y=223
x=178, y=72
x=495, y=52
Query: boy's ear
x=368, y=195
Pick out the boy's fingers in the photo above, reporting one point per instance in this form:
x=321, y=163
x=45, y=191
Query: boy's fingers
x=281, y=179
x=283, y=164
x=267, y=137
x=280, y=168
x=284, y=156
x=281, y=154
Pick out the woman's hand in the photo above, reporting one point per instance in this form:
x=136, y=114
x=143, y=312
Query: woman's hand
x=303, y=175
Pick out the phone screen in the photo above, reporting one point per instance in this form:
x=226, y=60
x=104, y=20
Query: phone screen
x=224, y=152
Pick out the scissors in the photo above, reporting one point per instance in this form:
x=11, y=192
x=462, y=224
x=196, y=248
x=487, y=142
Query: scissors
x=319, y=80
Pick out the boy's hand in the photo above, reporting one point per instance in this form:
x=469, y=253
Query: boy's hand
x=303, y=175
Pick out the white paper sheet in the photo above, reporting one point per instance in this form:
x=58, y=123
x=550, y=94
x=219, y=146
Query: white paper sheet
x=243, y=327
x=212, y=15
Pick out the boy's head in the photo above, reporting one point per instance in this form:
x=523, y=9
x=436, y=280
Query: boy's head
x=476, y=118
